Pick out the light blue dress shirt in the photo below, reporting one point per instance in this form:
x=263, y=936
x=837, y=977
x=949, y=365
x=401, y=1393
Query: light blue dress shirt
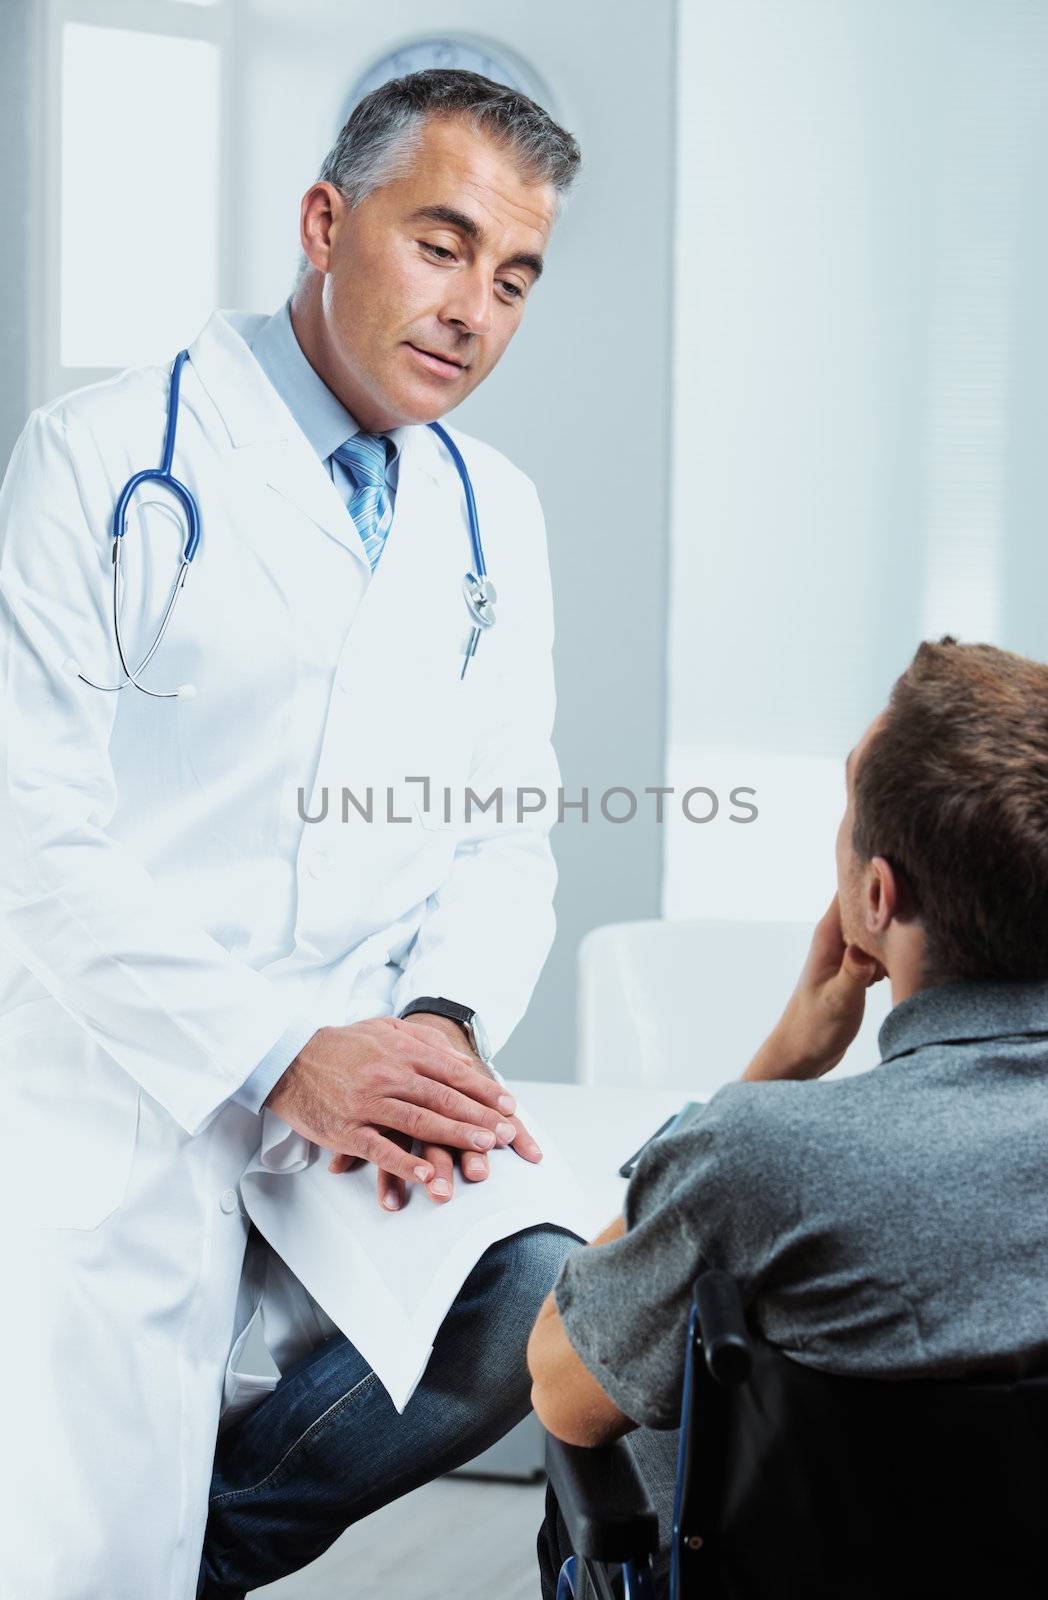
x=326, y=424
x=319, y=413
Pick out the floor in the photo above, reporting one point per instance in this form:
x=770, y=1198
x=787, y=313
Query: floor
x=455, y=1539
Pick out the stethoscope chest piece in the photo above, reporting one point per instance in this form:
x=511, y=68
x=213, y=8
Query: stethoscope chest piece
x=481, y=596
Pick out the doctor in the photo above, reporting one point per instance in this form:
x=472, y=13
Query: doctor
x=185, y=953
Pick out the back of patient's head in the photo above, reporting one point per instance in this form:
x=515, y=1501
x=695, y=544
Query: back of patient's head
x=952, y=791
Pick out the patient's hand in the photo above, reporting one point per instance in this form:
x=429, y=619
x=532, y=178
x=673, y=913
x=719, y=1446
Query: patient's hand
x=824, y=1012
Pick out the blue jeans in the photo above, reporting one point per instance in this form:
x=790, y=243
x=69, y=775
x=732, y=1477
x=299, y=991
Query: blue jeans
x=327, y=1447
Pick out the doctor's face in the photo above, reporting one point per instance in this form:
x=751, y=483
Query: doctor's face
x=423, y=283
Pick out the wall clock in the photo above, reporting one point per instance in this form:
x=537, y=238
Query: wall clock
x=448, y=50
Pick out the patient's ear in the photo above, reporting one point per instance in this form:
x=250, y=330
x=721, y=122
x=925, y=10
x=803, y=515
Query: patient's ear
x=880, y=896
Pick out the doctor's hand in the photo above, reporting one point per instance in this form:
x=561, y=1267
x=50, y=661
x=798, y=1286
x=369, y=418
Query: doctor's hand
x=392, y=1191
x=825, y=1010
x=353, y=1089
x=474, y=1167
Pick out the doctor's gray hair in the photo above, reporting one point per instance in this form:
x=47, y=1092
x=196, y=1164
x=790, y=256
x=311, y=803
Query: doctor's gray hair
x=384, y=130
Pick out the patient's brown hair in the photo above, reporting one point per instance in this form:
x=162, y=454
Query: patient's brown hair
x=952, y=791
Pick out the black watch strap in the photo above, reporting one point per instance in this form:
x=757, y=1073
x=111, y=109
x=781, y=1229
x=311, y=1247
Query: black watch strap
x=439, y=1006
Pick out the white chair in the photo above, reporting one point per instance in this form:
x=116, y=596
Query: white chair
x=686, y=1004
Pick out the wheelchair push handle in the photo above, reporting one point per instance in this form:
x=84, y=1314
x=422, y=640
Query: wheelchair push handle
x=721, y=1327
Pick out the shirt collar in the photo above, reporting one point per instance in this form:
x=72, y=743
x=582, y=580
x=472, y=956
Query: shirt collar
x=318, y=411
x=955, y=1013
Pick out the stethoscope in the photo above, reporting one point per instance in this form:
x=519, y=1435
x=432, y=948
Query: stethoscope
x=477, y=588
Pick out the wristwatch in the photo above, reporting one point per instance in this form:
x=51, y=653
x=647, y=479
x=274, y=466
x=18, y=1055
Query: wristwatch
x=467, y=1020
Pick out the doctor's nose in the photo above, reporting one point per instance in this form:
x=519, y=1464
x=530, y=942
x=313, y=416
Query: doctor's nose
x=469, y=309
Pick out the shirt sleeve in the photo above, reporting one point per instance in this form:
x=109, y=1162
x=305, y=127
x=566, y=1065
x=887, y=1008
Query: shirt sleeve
x=254, y=1091
x=625, y=1306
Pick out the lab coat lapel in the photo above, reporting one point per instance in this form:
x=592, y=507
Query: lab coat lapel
x=296, y=472
x=413, y=613
x=261, y=426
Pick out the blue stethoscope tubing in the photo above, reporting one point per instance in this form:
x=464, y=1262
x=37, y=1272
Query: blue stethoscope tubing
x=454, y=452
x=166, y=478
x=477, y=587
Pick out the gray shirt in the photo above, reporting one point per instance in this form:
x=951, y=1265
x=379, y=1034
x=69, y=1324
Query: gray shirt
x=891, y=1224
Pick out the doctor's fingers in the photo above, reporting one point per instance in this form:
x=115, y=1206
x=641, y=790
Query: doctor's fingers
x=392, y=1191
x=474, y=1168
x=450, y=1102
x=471, y=1077
x=429, y=1127
x=441, y=1186
x=371, y=1145
x=460, y=1071
x=524, y=1144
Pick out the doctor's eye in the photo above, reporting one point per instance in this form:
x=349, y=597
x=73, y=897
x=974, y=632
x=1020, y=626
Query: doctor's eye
x=437, y=250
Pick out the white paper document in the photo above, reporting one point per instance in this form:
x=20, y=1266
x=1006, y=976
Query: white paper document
x=387, y=1278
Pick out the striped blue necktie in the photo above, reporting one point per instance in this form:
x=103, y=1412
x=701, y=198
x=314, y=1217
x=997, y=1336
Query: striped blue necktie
x=365, y=457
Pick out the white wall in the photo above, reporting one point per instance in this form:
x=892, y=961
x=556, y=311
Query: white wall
x=861, y=389
x=15, y=165
x=581, y=400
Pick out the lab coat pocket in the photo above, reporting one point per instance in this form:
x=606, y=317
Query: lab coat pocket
x=72, y=1118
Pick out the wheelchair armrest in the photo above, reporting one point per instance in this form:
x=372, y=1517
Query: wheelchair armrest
x=721, y=1327
x=606, y=1508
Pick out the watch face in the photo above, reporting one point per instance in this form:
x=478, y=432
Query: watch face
x=469, y=55
x=480, y=1039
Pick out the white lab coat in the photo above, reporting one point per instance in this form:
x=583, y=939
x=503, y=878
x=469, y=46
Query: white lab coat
x=166, y=913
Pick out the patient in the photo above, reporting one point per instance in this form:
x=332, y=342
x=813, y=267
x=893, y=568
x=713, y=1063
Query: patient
x=878, y=1223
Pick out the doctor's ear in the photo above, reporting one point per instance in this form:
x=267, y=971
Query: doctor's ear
x=323, y=208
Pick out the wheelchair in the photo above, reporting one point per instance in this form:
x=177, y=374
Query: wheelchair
x=798, y=1484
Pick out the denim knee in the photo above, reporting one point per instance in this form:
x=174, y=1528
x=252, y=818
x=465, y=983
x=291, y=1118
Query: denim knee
x=512, y=1279
x=480, y=1360
x=535, y=1257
